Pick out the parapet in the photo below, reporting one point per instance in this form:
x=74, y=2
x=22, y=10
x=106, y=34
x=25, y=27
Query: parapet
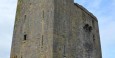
x=85, y=10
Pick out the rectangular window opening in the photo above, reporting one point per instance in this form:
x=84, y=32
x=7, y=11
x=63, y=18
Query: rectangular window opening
x=93, y=23
x=64, y=52
x=43, y=14
x=42, y=41
x=24, y=16
x=93, y=37
x=25, y=37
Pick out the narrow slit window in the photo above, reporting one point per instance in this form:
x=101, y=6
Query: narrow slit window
x=25, y=17
x=43, y=13
x=25, y=37
x=64, y=52
x=94, y=38
x=42, y=40
x=93, y=23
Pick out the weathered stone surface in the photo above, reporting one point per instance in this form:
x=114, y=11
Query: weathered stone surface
x=54, y=29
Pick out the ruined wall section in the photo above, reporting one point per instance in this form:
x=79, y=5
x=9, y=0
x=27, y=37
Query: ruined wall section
x=54, y=29
x=88, y=39
x=33, y=31
x=75, y=32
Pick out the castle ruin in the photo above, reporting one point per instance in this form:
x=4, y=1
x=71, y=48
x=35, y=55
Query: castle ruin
x=54, y=29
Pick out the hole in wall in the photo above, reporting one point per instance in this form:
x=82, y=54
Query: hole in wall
x=64, y=51
x=25, y=37
x=87, y=28
x=43, y=14
x=90, y=28
x=24, y=16
x=42, y=41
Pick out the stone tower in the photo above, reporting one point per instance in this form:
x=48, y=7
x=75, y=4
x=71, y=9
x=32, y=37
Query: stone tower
x=54, y=29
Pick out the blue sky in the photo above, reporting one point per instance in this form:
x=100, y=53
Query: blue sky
x=104, y=10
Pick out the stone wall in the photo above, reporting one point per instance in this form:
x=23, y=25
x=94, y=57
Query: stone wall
x=33, y=31
x=54, y=29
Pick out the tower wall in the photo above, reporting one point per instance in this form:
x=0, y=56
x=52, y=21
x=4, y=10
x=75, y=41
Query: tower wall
x=87, y=40
x=33, y=31
x=76, y=32
x=54, y=29
x=62, y=29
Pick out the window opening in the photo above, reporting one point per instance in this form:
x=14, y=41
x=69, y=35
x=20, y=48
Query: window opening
x=93, y=23
x=25, y=17
x=90, y=28
x=64, y=52
x=93, y=37
x=42, y=42
x=25, y=37
x=87, y=28
x=43, y=14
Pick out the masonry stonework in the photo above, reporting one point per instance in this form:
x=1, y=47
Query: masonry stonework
x=54, y=29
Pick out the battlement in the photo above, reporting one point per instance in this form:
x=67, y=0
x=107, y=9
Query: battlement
x=85, y=10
